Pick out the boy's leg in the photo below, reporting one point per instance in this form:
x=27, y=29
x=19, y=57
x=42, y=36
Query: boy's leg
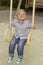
x=20, y=49
x=12, y=48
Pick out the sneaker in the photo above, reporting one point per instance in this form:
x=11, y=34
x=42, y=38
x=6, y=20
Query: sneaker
x=19, y=60
x=10, y=59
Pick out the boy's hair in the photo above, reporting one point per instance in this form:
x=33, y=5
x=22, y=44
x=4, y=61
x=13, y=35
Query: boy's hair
x=19, y=11
x=22, y=10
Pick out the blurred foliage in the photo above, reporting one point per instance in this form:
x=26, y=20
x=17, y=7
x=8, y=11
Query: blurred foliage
x=15, y=3
x=4, y=2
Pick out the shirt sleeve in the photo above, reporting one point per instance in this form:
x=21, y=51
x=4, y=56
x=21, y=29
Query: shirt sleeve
x=13, y=23
x=29, y=25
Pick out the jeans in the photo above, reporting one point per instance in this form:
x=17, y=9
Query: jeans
x=20, y=46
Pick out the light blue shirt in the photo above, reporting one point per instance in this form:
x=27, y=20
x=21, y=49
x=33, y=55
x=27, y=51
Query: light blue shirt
x=21, y=28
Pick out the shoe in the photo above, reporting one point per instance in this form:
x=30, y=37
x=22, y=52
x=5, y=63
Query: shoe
x=10, y=59
x=19, y=60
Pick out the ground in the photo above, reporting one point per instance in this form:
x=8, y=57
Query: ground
x=33, y=54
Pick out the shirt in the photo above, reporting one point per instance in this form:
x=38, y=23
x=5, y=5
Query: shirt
x=21, y=28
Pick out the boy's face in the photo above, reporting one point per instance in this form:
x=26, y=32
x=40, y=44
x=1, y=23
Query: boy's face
x=21, y=15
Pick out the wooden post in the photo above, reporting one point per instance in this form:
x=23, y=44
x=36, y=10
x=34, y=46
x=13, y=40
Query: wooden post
x=10, y=30
x=33, y=13
x=33, y=17
x=19, y=4
x=11, y=6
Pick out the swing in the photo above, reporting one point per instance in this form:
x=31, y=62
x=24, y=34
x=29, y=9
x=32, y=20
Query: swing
x=10, y=29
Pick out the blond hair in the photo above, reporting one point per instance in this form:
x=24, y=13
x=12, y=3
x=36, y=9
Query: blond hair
x=19, y=10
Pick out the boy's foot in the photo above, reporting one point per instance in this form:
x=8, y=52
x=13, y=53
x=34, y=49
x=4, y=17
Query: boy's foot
x=10, y=59
x=19, y=60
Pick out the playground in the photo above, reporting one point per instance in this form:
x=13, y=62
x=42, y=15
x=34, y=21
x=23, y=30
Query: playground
x=33, y=54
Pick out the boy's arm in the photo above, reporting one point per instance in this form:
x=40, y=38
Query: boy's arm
x=29, y=25
x=12, y=24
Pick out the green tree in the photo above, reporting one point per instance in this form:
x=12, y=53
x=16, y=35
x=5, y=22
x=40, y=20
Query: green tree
x=4, y=2
x=15, y=3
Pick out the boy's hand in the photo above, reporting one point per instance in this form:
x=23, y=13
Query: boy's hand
x=10, y=27
x=33, y=27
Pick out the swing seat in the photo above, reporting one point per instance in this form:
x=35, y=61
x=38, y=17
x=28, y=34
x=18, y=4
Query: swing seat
x=27, y=43
x=8, y=39
x=29, y=38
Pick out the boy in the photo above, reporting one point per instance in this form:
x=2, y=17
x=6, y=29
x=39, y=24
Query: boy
x=20, y=37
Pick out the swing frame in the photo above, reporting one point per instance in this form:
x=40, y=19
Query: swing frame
x=33, y=18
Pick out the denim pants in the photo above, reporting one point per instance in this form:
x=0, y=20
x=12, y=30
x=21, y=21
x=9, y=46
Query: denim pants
x=20, y=46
